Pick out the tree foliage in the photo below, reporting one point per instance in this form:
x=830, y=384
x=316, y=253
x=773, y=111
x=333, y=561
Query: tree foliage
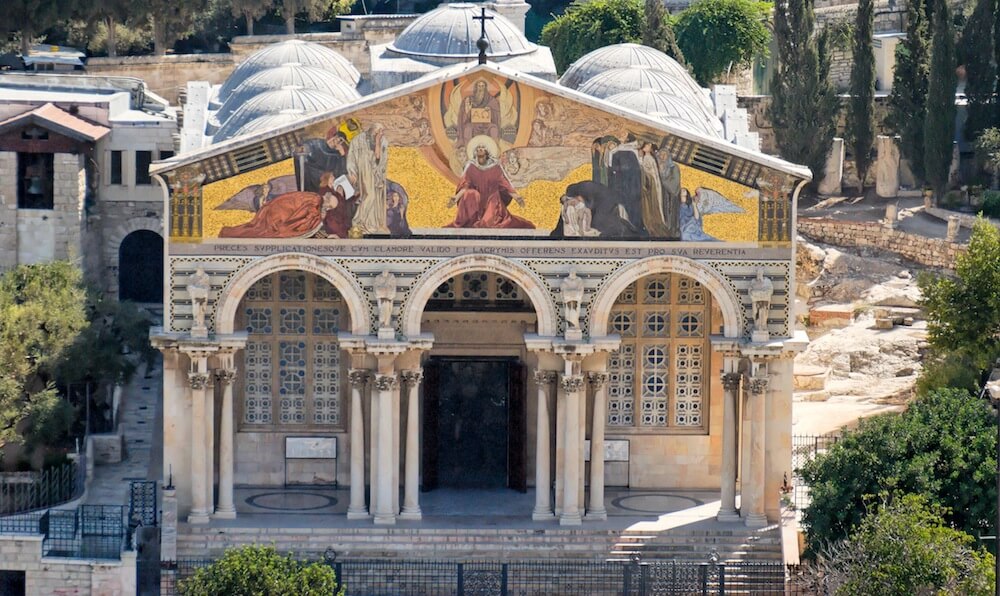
x=30, y=17
x=587, y=26
x=988, y=152
x=980, y=72
x=861, y=107
x=314, y=10
x=657, y=31
x=250, y=10
x=261, y=570
x=908, y=101
x=718, y=35
x=902, y=548
x=804, y=104
x=939, y=120
x=942, y=447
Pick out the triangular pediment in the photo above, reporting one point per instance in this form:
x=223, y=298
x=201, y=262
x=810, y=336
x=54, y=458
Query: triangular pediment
x=49, y=117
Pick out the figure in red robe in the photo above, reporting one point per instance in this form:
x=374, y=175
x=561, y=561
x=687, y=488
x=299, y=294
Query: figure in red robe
x=291, y=215
x=484, y=193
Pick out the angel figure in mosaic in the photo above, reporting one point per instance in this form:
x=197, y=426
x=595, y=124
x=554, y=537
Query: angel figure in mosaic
x=694, y=208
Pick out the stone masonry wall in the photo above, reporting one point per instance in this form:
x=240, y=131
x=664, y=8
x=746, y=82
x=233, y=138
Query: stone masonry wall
x=69, y=193
x=166, y=75
x=930, y=252
x=8, y=210
x=66, y=577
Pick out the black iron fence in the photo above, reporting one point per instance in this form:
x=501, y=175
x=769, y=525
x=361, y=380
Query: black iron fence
x=524, y=578
x=805, y=448
x=86, y=532
x=142, y=503
x=27, y=491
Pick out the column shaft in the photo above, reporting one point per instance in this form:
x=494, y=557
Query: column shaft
x=572, y=458
x=199, y=494
x=411, y=496
x=599, y=383
x=358, y=508
x=226, y=508
x=209, y=453
x=727, y=486
x=543, y=474
x=560, y=449
x=756, y=517
x=384, y=514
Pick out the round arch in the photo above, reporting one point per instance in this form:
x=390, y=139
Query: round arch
x=713, y=281
x=337, y=275
x=113, y=240
x=533, y=286
x=140, y=267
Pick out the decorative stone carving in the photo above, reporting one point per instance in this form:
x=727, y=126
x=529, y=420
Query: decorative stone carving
x=572, y=296
x=358, y=377
x=198, y=286
x=572, y=383
x=598, y=380
x=225, y=375
x=758, y=385
x=545, y=377
x=412, y=377
x=731, y=381
x=198, y=380
x=385, y=292
x=386, y=382
x=761, y=290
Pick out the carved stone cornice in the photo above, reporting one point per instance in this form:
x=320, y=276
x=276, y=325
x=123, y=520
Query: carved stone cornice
x=598, y=380
x=358, y=377
x=386, y=382
x=758, y=385
x=731, y=381
x=412, y=377
x=545, y=377
x=225, y=375
x=572, y=383
x=198, y=380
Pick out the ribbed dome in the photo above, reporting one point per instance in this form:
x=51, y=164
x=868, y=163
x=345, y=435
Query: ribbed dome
x=668, y=106
x=449, y=31
x=699, y=127
x=306, y=77
x=304, y=53
x=309, y=101
x=634, y=78
x=622, y=55
x=267, y=122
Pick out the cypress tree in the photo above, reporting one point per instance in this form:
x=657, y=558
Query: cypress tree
x=908, y=102
x=860, y=112
x=804, y=105
x=939, y=121
x=980, y=72
x=657, y=32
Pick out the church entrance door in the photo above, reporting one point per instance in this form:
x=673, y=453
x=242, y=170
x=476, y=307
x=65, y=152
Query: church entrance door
x=474, y=423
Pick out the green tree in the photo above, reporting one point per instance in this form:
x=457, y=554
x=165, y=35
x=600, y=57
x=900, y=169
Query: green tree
x=587, y=26
x=939, y=120
x=261, y=570
x=718, y=35
x=313, y=9
x=942, y=447
x=804, y=105
x=905, y=547
x=250, y=10
x=861, y=107
x=657, y=31
x=980, y=72
x=30, y=18
x=172, y=21
x=988, y=152
x=908, y=101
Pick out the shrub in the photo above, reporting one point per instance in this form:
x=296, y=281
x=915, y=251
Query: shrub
x=261, y=570
x=991, y=204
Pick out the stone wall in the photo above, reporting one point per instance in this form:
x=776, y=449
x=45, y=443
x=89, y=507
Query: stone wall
x=166, y=75
x=930, y=252
x=47, y=575
x=8, y=210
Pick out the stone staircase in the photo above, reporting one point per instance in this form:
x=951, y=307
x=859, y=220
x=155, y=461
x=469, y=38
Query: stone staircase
x=741, y=544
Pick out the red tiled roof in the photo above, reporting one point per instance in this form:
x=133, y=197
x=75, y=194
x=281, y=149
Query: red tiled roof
x=57, y=120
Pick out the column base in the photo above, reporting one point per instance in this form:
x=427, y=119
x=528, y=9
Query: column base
x=570, y=519
x=385, y=520
x=411, y=514
x=756, y=520
x=598, y=515
x=198, y=518
x=728, y=515
x=358, y=513
x=542, y=515
x=225, y=514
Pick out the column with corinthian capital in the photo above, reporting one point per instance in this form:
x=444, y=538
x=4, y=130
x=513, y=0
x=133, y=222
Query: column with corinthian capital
x=226, y=376
x=543, y=458
x=411, y=503
x=572, y=455
x=199, y=381
x=357, y=509
x=754, y=484
x=599, y=383
x=727, y=486
x=384, y=386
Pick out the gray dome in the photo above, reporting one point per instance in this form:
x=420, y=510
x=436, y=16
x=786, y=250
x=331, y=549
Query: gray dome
x=267, y=122
x=700, y=128
x=305, y=53
x=634, y=78
x=306, y=77
x=669, y=106
x=449, y=31
x=309, y=101
x=622, y=55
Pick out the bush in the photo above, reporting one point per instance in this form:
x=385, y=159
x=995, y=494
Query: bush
x=991, y=204
x=261, y=570
x=717, y=35
x=587, y=26
x=50, y=419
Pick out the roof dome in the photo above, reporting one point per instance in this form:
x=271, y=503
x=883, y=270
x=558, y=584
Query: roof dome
x=306, y=77
x=622, y=55
x=666, y=106
x=266, y=122
x=634, y=78
x=449, y=31
x=309, y=101
x=305, y=53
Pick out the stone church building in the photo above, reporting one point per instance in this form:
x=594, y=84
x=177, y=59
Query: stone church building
x=479, y=279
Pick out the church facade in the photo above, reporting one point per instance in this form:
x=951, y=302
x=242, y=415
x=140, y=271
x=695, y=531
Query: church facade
x=479, y=279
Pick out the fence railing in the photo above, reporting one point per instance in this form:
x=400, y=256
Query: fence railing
x=21, y=492
x=85, y=532
x=555, y=578
x=805, y=448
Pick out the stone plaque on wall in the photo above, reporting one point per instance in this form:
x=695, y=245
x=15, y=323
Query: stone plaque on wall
x=310, y=447
x=613, y=450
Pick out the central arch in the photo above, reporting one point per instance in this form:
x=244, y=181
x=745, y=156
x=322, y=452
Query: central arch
x=531, y=283
x=337, y=275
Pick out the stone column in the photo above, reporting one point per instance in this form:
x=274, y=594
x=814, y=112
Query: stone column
x=754, y=484
x=599, y=382
x=357, y=509
x=411, y=504
x=727, y=508
x=209, y=452
x=227, y=509
x=887, y=167
x=572, y=457
x=560, y=448
x=833, y=170
x=199, y=475
x=543, y=474
x=384, y=385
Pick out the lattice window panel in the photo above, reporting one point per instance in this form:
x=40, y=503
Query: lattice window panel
x=689, y=365
x=292, y=382
x=506, y=289
x=258, y=320
x=655, y=384
x=621, y=367
x=293, y=321
x=262, y=291
x=480, y=288
x=445, y=291
x=292, y=286
x=326, y=382
x=323, y=291
x=257, y=383
x=475, y=286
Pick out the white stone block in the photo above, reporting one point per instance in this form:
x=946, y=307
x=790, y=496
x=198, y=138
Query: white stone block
x=833, y=173
x=887, y=167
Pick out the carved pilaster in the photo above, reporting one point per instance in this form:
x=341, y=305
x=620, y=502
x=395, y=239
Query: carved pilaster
x=758, y=385
x=545, y=377
x=731, y=381
x=225, y=376
x=411, y=377
x=198, y=380
x=386, y=382
x=598, y=380
x=572, y=383
x=358, y=377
